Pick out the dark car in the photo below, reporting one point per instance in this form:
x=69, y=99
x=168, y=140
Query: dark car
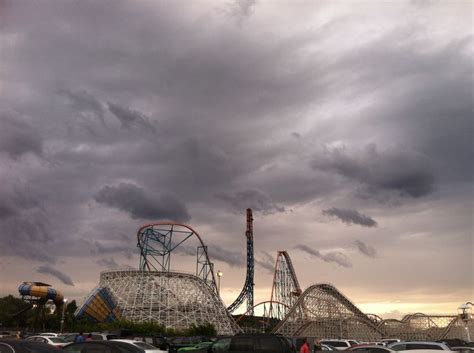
x=175, y=343
x=202, y=347
x=256, y=343
x=20, y=346
x=159, y=342
x=101, y=347
x=221, y=344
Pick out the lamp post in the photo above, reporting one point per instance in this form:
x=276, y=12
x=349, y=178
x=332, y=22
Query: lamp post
x=219, y=275
x=62, y=315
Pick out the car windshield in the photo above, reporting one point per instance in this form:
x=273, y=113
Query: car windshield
x=57, y=340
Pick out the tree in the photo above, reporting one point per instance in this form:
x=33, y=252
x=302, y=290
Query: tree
x=11, y=315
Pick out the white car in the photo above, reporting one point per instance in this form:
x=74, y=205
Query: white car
x=148, y=348
x=48, y=334
x=340, y=345
x=418, y=345
x=54, y=341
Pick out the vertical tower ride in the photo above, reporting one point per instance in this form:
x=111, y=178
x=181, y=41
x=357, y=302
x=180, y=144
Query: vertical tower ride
x=247, y=291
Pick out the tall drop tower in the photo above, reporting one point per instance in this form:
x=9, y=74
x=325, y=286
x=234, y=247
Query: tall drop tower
x=247, y=290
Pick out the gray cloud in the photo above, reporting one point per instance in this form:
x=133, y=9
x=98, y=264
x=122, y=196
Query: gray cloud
x=133, y=199
x=218, y=253
x=266, y=261
x=242, y=9
x=17, y=137
x=251, y=198
x=23, y=221
x=55, y=273
x=127, y=249
x=336, y=257
x=85, y=103
x=6, y=211
x=107, y=262
x=350, y=216
x=131, y=118
x=407, y=174
x=365, y=249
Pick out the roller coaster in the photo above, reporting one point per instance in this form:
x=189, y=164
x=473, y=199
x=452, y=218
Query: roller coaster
x=155, y=292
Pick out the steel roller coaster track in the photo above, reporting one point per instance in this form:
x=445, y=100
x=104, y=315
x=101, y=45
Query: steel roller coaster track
x=247, y=290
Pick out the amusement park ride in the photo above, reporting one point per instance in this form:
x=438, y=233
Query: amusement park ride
x=157, y=293
x=36, y=295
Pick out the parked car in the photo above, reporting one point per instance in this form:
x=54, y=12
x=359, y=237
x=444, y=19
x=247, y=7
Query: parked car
x=259, y=343
x=102, y=347
x=159, y=342
x=49, y=334
x=148, y=348
x=454, y=342
x=54, y=341
x=20, y=346
x=175, y=343
x=370, y=348
x=408, y=346
x=221, y=344
x=96, y=336
x=339, y=344
x=463, y=349
x=389, y=341
x=202, y=347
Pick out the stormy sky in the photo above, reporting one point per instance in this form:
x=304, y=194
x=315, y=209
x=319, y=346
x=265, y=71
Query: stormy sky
x=346, y=126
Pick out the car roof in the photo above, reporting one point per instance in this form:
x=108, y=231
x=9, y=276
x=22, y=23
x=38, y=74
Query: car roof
x=369, y=346
x=432, y=342
x=26, y=346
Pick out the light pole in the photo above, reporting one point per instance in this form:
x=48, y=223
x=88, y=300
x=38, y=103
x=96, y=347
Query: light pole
x=219, y=275
x=62, y=315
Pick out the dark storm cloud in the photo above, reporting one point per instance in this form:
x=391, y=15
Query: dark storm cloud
x=55, y=273
x=242, y=9
x=131, y=118
x=406, y=174
x=215, y=253
x=350, y=216
x=107, y=263
x=84, y=102
x=251, y=198
x=17, y=137
x=266, y=261
x=25, y=224
x=365, y=249
x=336, y=257
x=126, y=249
x=426, y=109
x=6, y=211
x=133, y=199
x=296, y=135
x=218, y=253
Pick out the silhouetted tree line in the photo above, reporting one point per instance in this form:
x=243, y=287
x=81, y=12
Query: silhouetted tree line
x=11, y=318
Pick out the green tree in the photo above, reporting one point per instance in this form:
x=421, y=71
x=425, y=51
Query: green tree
x=11, y=315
